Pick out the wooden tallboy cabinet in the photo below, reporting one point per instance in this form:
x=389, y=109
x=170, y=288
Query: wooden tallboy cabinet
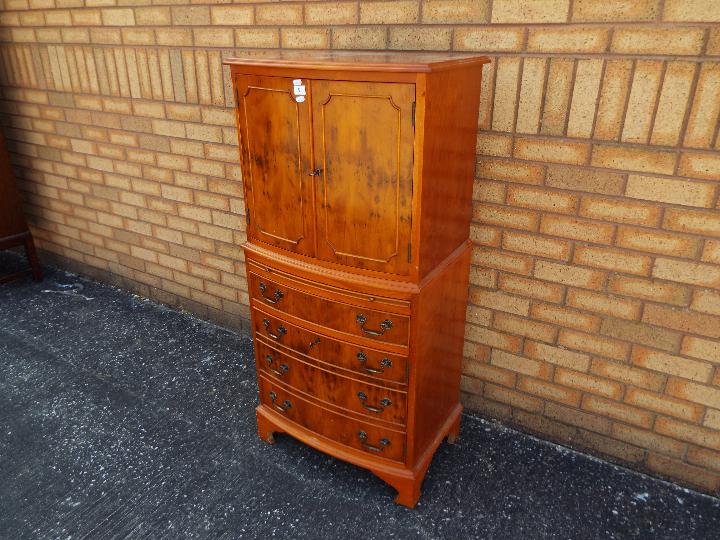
x=14, y=230
x=358, y=176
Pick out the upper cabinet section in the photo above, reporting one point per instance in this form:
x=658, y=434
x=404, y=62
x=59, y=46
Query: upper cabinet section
x=359, y=161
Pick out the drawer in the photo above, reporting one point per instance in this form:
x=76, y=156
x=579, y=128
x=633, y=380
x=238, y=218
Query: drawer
x=314, y=304
x=376, y=402
x=375, y=440
x=359, y=360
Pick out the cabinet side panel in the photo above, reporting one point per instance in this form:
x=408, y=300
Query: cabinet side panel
x=12, y=221
x=450, y=135
x=437, y=349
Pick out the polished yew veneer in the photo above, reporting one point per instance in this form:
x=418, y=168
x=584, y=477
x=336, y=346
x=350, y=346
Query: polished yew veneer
x=358, y=172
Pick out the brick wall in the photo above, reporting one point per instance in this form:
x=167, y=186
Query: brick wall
x=594, y=314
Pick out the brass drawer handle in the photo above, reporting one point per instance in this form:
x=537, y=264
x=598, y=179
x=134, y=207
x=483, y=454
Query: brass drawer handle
x=383, y=443
x=281, y=331
x=282, y=408
x=314, y=343
x=385, y=363
x=284, y=368
x=384, y=402
x=385, y=325
x=278, y=294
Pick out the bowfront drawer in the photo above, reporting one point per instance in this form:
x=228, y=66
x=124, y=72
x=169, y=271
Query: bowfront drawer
x=359, y=360
x=375, y=440
x=373, y=401
x=330, y=308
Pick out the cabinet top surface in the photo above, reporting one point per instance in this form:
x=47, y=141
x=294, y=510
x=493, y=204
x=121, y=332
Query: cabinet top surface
x=356, y=60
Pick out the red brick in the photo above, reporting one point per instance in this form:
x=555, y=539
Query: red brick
x=607, y=305
x=652, y=41
x=568, y=39
x=650, y=289
x=704, y=458
x=493, y=339
x=635, y=332
x=565, y=317
x=541, y=199
x=618, y=411
x=633, y=159
x=705, y=108
x=692, y=221
x=557, y=356
x=641, y=103
x=672, y=191
x=520, y=364
x=524, y=327
x=611, y=259
x=531, y=288
x=500, y=301
x=486, y=236
x=657, y=242
x=688, y=433
x=577, y=229
x=611, y=104
x=682, y=320
x=679, y=469
x=701, y=348
x=629, y=375
x=594, y=344
x=589, y=383
x=545, y=11
x=697, y=393
x=711, y=251
x=506, y=217
x=486, y=372
x=698, y=165
x=552, y=151
x=578, y=418
x=615, y=10
x=706, y=302
x=549, y=391
x=510, y=171
x=569, y=275
x=491, y=144
x=513, y=398
x=401, y=12
x=583, y=179
x=500, y=260
x=619, y=210
x=536, y=245
x=649, y=440
x=530, y=102
x=664, y=404
x=488, y=39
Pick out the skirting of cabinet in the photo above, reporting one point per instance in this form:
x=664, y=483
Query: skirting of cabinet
x=407, y=481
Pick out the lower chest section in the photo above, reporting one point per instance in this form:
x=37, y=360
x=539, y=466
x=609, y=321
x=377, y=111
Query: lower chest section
x=334, y=361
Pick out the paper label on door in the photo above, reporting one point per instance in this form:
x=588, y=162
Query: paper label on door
x=297, y=82
x=299, y=90
x=300, y=99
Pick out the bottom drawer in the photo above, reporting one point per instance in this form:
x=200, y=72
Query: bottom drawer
x=378, y=441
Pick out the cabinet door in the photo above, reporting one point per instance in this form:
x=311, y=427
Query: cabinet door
x=275, y=141
x=363, y=144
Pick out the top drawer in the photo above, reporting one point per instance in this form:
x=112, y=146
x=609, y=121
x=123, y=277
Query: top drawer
x=329, y=309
